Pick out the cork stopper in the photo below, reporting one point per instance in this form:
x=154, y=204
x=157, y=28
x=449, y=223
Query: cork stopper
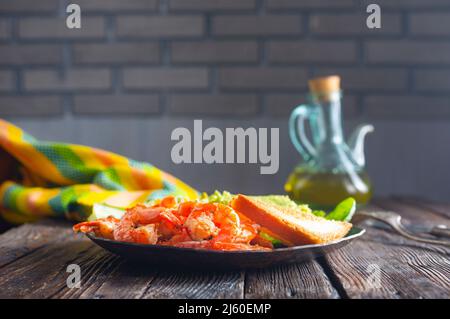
x=325, y=85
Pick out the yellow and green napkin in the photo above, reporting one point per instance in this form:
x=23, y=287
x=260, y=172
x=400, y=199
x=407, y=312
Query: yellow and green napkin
x=39, y=178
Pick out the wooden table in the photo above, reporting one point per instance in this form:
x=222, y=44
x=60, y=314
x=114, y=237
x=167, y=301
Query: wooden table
x=34, y=260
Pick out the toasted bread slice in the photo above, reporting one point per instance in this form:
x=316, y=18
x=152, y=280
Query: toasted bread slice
x=292, y=227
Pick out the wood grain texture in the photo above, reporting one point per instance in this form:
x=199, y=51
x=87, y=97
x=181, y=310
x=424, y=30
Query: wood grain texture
x=96, y=266
x=305, y=280
x=436, y=208
x=193, y=285
x=22, y=240
x=403, y=272
x=383, y=264
x=42, y=272
x=34, y=259
x=414, y=212
x=126, y=281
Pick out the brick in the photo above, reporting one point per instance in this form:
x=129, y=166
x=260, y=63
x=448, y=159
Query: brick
x=406, y=107
x=256, y=25
x=160, y=26
x=73, y=79
x=262, y=78
x=409, y=4
x=367, y=79
x=208, y=5
x=16, y=6
x=56, y=28
x=306, y=51
x=408, y=52
x=113, y=104
x=432, y=80
x=219, y=105
x=111, y=53
x=18, y=54
x=160, y=78
x=297, y=4
x=15, y=105
x=283, y=104
x=117, y=5
x=354, y=24
x=7, y=80
x=437, y=24
x=215, y=51
x=5, y=29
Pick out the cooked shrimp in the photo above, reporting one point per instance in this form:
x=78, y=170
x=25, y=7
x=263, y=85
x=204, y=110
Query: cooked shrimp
x=129, y=228
x=225, y=216
x=207, y=221
x=229, y=223
x=246, y=233
x=145, y=234
x=168, y=202
x=236, y=246
x=181, y=236
x=200, y=225
x=102, y=227
x=184, y=209
x=204, y=244
x=207, y=244
x=169, y=224
x=188, y=224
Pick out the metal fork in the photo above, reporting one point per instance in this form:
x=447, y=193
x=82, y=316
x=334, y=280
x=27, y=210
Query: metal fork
x=395, y=221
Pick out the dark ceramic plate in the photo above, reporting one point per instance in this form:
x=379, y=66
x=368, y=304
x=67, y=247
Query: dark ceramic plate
x=202, y=258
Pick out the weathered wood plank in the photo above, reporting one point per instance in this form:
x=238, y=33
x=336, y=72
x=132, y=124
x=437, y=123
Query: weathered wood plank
x=436, y=208
x=34, y=258
x=30, y=272
x=375, y=270
x=196, y=284
x=412, y=212
x=96, y=266
x=305, y=280
x=131, y=279
x=383, y=264
x=128, y=280
x=417, y=219
x=22, y=240
x=42, y=272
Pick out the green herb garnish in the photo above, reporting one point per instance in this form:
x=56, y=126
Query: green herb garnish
x=344, y=211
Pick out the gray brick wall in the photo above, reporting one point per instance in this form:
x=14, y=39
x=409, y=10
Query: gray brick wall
x=216, y=48
x=232, y=61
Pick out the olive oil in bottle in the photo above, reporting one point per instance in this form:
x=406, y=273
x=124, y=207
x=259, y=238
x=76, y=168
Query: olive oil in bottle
x=332, y=170
x=325, y=190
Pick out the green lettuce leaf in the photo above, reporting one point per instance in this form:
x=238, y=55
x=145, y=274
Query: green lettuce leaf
x=217, y=197
x=103, y=211
x=344, y=211
x=319, y=213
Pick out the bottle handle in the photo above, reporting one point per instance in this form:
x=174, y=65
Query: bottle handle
x=297, y=131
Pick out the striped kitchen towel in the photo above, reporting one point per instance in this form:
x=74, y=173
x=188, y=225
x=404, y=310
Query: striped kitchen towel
x=39, y=179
